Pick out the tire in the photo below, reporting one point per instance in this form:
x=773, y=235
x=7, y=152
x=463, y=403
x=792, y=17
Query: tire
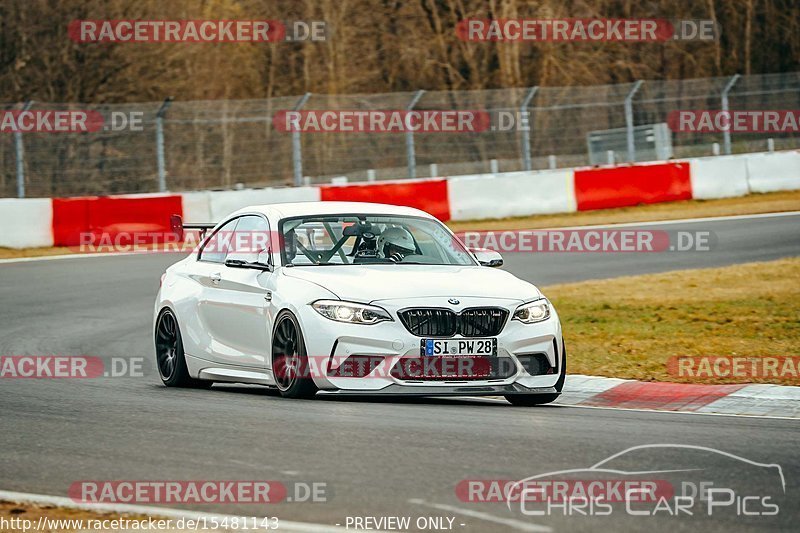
x=529, y=400
x=288, y=355
x=170, y=359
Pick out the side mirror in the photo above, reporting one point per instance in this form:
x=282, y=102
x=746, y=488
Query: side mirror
x=238, y=263
x=263, y=262
x=265, y=257
x=489, y=258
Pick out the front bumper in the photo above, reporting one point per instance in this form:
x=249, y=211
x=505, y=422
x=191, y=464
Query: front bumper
x=330, y=343
x=397, y=389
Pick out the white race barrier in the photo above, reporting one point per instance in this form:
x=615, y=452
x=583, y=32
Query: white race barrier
x=719, y=177
x=197, y=206
x=29, y=222
x=511, y=194
x=26, y=223
x=222, y=203
x=779, y=171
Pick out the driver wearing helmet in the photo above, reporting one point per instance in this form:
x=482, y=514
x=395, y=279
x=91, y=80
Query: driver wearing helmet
x=395, y=243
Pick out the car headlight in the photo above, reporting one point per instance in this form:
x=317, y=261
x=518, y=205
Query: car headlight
x=350, y=312
x=532, y=312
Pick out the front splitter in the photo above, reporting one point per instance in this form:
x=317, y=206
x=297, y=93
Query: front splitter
x=398, y=389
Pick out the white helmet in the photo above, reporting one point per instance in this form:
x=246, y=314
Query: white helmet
x=396, y=236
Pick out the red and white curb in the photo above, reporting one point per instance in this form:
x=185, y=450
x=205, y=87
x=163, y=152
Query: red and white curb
x=764, y=400
x=153, y=511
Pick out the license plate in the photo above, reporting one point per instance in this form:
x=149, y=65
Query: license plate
x=434, y=347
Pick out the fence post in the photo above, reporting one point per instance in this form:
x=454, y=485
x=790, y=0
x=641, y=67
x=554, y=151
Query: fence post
x=411, y=159
x=20, y=152
x=526, y=132
x=297, y=150
x=160, y=159
x=726, y=134
x=629, y=120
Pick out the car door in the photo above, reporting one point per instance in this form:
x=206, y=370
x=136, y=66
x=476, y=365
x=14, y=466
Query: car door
x=205, y=326
x=244, y=297
x=208, y=332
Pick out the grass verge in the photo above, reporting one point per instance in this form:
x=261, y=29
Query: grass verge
x=15, y=253
x=24, y=518
x=630, y=327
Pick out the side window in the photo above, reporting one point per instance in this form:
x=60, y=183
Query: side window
x=250, y=239
x=427, y=243
x=218, y=245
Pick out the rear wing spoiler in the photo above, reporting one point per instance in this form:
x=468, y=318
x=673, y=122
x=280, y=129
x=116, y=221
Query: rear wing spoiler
x=178, y=227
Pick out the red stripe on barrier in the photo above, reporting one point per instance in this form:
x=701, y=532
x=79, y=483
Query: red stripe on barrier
x=428, y=195
x=108, y=216
x=661, y=396
x=70, y=218
x=602, y=188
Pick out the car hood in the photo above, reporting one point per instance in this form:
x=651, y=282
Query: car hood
x=370, y=283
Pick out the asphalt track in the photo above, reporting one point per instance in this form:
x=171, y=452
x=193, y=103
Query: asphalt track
x=377, y=457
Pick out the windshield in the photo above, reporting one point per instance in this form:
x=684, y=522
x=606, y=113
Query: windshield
x=369, y=239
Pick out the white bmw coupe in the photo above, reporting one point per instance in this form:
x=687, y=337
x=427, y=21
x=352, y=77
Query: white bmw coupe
x=353, y=298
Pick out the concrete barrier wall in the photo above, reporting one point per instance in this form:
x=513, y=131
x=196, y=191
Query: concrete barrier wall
x=511, y=194
x=196, y=206
x=427, y=194
x=627, y=185
x=221, y=203
x=719, y=177
x=82, y=220
x=774, y=172
x=61, y=221
x=26, y=223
